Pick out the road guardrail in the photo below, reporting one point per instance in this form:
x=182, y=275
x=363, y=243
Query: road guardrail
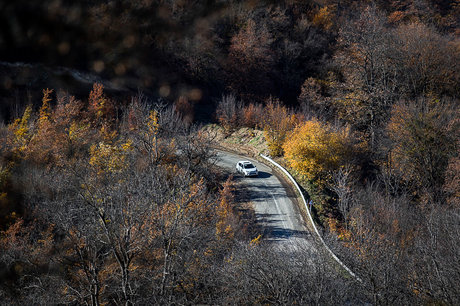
x=310, y=217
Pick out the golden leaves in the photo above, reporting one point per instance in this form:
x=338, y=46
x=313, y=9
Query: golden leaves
x=109, y=158
x=153, y=124
x=313, y=149
x=44, y=112
x=325, y=17
x=21, y=132
x=256, y=240
x=77, y=130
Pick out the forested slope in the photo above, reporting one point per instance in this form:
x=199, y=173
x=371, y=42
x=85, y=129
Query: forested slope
x=110, y=196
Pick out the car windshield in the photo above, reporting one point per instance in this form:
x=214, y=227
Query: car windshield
x=248, y=166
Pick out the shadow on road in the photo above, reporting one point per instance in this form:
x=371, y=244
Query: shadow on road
x=278, y=233
x=265, y=223
x=263, y=174
x=261, y=194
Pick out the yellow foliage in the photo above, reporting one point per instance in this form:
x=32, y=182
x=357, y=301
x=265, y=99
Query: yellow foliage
x=21, y=132
x=224, y=213
x=256, y=240
x=224, y=231
x=76, y=130
x=44, y=113
x=107, y=135
x=108, y=158
x=153, y=124
x=324, y=17
x=128, y=145
x=4, y=175
x=20, y=126
x=208, y=252
x=314, y=150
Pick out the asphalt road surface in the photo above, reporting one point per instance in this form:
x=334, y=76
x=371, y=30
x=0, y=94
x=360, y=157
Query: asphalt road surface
x=273, y=202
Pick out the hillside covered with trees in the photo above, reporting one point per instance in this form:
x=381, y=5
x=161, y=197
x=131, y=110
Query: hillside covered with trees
x=109, y=194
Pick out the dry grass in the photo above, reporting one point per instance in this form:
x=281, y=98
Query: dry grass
x=244, y=140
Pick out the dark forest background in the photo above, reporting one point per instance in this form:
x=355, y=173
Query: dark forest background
x=197, y=48
x=108, y=190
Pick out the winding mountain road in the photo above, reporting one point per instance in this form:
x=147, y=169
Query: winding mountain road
x=273, y=202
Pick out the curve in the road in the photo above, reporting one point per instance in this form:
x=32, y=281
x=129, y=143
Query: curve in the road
x=310, y=217
x=274, y=207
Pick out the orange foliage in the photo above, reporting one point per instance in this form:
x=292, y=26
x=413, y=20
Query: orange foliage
x=251, y=45
x=227, y=112
x=96, y=99
x=278, y=122
x=253, y=115
x=100, y=108
x=55, y=134
x=40, y=147
x=397, y=16
x=27, y=243
x=68, y=110
x=224, y=212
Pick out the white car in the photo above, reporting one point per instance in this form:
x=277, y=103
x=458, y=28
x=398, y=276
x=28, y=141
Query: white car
x=246, y=168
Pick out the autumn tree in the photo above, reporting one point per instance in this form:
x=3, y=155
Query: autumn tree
x=41, y=146
x=314, y=99
x=101, y=110
x=342, y=184
x=370, y=84
x=252, y=115
x=380, y=243
x=324, y=18
x=228, y=112
x=197, y=154
x=72, y=135
x=436, y=270
x=224, y=230
x=250, y=59
x=278, y=122
x=436, y=68
x=424, y=138
x=261, y=273
x=86, y=209
x=314, y=150
x=381, y=64
x=20, y=133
